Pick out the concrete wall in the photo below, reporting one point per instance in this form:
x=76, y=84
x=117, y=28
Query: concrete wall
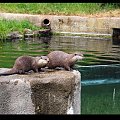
x=74, y=24
x=49, y=92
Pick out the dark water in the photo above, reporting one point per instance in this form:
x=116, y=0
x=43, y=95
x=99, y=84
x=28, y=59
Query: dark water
x=100, y=68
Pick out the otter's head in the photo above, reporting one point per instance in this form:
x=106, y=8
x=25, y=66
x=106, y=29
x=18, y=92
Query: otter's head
x=42, y=61
x=77, y=56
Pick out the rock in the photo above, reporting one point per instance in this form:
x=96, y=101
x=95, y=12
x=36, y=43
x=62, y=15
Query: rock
x=14, y=35
x=28, y=33
x=45, y=32
x=36, y=33
x=48, y=92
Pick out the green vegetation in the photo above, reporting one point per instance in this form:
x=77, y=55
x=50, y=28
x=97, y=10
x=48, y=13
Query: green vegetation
x=7, y=26
x=47, y=8
x=57, y=8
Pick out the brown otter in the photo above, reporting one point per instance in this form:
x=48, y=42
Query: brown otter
x=26, y=63
x=62, y=59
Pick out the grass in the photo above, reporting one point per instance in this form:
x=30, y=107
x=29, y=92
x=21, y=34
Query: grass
x=56, y=8
x=7, y=26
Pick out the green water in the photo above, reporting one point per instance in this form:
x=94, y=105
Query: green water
x=100, y=89
x=100, y=69
x=96, y=50
x=101, y=99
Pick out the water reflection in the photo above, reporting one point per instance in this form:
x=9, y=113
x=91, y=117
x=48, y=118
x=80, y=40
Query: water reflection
x=10, y=50
x=96, y=50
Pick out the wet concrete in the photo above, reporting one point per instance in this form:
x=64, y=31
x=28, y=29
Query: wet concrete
x=71, y=24
x=49, y=92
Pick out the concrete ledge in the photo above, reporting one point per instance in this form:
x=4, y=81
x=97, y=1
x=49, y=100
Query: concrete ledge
x=55, y=92
x=99, y=25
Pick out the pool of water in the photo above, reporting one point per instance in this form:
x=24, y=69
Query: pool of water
x=100, y=89
x=97, y=51
x=100, y=69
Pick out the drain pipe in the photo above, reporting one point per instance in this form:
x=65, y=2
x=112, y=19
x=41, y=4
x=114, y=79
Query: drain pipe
x=46, y=24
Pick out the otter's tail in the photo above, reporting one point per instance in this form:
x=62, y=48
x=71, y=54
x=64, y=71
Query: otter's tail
x=10, y=72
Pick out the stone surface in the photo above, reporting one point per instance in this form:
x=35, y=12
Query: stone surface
x=14, y=35
x=48, y=92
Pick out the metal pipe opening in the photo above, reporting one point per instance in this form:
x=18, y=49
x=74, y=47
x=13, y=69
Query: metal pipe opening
x=46, y=23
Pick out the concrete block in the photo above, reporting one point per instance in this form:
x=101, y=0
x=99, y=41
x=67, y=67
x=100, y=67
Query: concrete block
x=49, y=92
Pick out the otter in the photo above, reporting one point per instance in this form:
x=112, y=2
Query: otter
x=62, y=59
x=26, y=63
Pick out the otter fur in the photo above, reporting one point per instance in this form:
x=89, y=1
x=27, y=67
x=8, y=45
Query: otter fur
x=62, y=59
x=26, y=63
